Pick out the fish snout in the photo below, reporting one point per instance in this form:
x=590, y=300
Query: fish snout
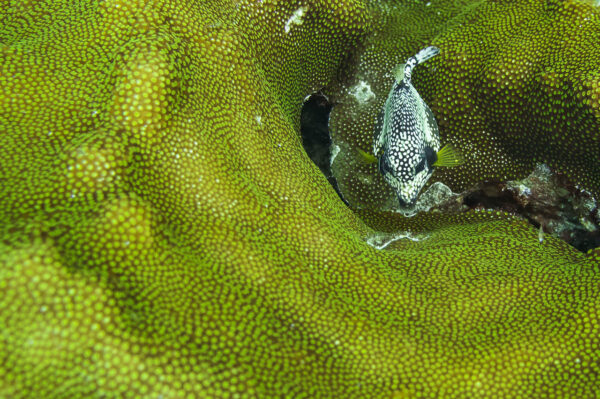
x=406, y=203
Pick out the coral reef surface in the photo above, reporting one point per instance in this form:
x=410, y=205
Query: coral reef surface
x=163, y=233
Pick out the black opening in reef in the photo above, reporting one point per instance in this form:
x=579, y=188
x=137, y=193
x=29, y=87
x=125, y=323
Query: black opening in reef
x=314, y=127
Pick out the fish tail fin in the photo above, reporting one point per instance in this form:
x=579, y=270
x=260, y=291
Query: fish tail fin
x=366, y=157
x=420, y=57
x=427, y=53
x=449, y=156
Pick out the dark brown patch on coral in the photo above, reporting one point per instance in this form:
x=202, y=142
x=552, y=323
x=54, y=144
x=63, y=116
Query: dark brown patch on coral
x=549, y=201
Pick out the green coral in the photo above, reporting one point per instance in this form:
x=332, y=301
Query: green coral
x=165, y=235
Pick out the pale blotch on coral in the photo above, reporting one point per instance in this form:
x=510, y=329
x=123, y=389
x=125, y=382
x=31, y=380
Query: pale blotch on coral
x=93, y=166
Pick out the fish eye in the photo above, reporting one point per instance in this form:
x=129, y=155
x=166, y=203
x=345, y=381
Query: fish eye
x=431, y=156
x=420, y=166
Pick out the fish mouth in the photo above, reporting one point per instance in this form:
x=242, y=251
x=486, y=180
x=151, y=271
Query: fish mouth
x=406, y=204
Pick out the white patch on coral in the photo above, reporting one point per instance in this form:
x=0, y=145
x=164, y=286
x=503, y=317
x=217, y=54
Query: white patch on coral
x=520, y=188
x=335, y=150
x=258, y=119
x=382, y=240
x=588, y=225
x=524, y=190
x=295, y=19
x=362, y=92
x=437, y=193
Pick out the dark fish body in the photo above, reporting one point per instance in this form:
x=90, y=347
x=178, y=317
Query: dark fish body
x=406, y=139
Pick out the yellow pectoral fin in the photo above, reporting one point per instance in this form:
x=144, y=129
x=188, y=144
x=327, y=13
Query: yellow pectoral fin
x=368, y=158
x=449, y=156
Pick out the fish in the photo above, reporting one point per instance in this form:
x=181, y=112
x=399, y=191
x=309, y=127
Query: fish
x=406, y=141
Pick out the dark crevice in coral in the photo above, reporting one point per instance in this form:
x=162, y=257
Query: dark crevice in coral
x=548, y=201
x=316, y=140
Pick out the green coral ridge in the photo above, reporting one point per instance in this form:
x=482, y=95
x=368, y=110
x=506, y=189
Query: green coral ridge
x=164, y=235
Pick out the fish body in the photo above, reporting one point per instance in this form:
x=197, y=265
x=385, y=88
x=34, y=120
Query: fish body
x=406, y=138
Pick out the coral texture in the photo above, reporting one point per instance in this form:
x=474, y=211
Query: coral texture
x=164, y=234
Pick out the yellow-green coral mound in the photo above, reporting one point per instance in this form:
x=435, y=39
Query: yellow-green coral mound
x=164, y=235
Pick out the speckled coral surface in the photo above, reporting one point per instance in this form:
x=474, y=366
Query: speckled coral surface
x=164, y=235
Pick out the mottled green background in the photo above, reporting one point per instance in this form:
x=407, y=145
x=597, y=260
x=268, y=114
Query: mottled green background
x=164, y=235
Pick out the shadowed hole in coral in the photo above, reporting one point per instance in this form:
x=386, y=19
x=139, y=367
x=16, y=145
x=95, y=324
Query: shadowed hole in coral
x=316, y=140
x=548, y=200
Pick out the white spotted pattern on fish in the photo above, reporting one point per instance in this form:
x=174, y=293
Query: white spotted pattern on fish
x=406, y=138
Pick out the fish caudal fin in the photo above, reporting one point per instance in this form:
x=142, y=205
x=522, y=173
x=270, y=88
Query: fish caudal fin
x=427, y=53
x=366, y=157
x=449, y=156
x=420, y=57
